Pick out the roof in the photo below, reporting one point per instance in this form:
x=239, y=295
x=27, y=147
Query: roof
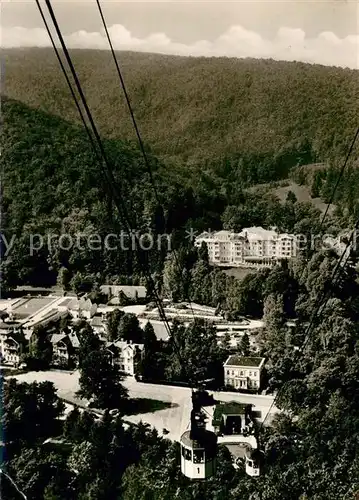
x=231, y=408
x=82, y=304
x=236, y=360
x=258, y=233
x=57, y=337
x=122, y=344
x=207, y=439
x=9, y=325
x=65, y=302
x=60, y=337
x=74, y=340
x=128, y=290
x=96, y=321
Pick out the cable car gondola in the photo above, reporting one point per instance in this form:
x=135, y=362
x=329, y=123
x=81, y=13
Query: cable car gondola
x=198, y=445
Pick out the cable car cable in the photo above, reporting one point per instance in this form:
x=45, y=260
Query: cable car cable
x=103, y=159
x=127, y=98
x=107, y=171
x=140, y=141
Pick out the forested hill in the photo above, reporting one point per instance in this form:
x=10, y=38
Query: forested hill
x=197, y=109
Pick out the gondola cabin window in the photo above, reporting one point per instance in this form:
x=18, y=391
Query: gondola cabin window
x=198, y=456
x=187, y=454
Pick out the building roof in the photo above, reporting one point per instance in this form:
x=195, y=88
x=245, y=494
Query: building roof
x=74, y=340
x=231, y=408
x=96, y=321
x=258, y=233
x=57, y=337
x=128, y=290
x=236, y=360
x=123, y=344
x=82, y=304
x=206, y=439
x=9, y=325
x=61, y=337
x=65, y=302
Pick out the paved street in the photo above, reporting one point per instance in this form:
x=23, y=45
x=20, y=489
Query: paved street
x=174, y=419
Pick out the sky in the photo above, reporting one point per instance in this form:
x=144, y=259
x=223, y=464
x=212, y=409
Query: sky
x=315, y=31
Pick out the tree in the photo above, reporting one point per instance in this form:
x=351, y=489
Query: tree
x=101, y=381
x=64, y=278
x=89, y=341
x=129, y=328
x=151, y=359
x=40, y=474
x=203, y=252
x=291, y=197
x=200, y=289
x=113, y=320
x=244, y=346
x=39, y=356
x=31, y=411
x=81, y=283
x=195, y=355
x=226, y=343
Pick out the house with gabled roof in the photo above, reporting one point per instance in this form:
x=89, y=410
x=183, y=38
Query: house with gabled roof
x=81, y=308
x=125, y=355
x=12, y=343
x=65, y=348
x=232, y=418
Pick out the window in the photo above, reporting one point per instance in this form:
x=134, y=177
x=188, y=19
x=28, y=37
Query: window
x=241, y=372
x=186, y=454
x=198, y=456
x=227, y=372
x=254, y=374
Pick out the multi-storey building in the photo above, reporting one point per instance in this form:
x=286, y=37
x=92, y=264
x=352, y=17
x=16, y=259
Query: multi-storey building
x=12, y=342
x=125, y=355
x=252, y=247
x=242, y=372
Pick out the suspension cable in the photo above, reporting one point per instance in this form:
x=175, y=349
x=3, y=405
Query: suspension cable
x=105, y=164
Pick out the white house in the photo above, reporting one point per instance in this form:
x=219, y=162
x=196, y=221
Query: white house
x=125, y=355
x=82, y=308
x=64, y=348
x=11, y=342
x=242, y=372
x=10, y=350
x=98, y=325
x=252, y=247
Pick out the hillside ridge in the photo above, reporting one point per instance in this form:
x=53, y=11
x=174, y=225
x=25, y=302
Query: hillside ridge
x=193, y=109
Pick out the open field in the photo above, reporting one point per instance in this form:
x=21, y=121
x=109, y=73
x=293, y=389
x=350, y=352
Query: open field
x=301, y=192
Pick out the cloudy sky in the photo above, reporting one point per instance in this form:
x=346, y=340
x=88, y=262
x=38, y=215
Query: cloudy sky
x=311, y=31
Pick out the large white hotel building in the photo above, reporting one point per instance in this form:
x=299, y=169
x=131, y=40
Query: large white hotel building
x=252, y=247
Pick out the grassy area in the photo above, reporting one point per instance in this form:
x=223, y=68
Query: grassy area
x=282, y=189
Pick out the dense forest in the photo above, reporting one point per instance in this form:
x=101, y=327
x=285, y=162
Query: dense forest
x=53, y=185
x=198, y=110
